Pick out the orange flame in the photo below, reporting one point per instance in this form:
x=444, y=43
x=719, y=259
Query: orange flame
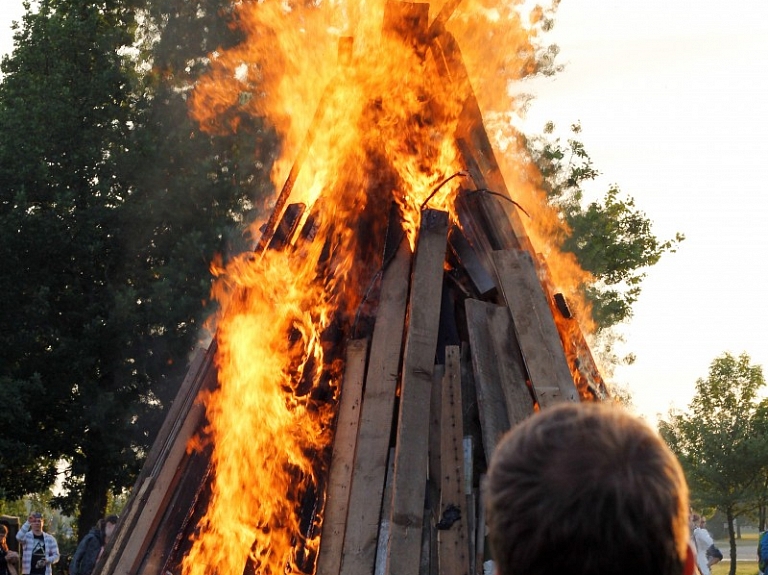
x=375, y=109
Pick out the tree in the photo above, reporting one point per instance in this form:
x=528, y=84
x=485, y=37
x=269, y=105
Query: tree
x=722, y=441
x=64, y=123
x=113, y=205
x=612, y=239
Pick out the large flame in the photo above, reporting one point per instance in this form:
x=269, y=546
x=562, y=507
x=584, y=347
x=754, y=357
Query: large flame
x=371, y=104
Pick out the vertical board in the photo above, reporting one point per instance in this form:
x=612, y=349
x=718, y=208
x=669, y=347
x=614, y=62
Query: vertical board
x=412, y=439
x=386, y=509
x=340, y=472
x=535, y=328
x=452, y=536
x=509, y=362
x=376, y=417
x=491, y=403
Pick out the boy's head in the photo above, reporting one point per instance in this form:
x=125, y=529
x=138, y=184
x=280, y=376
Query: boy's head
x=587, y=489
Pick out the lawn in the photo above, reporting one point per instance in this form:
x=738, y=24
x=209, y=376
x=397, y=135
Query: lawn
x=742, y=568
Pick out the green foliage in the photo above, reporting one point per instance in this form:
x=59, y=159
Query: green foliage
x=612, y=239
x=112, y=206
x=722, y=441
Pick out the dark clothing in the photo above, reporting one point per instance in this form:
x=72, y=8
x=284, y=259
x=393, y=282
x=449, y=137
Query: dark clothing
x=38, y=556
x=87, y=552
x=3, y=564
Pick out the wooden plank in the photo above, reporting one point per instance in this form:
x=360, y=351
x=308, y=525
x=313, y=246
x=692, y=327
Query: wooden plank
x=286, y=229
x=413, y=422
x=580, y=356
x=435, y=417
x=157, y=499
x=481, y=527
x=535, y=328
x=469, y=412
x=482, y=280
x=471, y=507
x=452, y=536
x=175, y=432
x=472, y=140
x=494, y=420
x=509, y=360
x=340, y=471
x=386, y=509
x=429, y=558
x=376, y=418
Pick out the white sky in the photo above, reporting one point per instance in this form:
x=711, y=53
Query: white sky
x=672, y=98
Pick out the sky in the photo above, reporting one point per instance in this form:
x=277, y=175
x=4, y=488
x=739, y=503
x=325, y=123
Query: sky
x=671, y=96
x=672, y=99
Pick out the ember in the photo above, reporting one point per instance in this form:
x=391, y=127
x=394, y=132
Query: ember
x=392, y=322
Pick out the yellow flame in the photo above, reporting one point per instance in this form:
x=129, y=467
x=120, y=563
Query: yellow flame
x=377, y=122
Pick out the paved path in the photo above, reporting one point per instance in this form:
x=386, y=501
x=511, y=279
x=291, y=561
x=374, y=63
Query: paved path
x=745, y=549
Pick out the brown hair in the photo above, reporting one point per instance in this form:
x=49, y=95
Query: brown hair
x=3, y=535
x=586, y=489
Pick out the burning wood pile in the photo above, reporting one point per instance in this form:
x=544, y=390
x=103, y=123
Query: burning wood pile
x=393, y=321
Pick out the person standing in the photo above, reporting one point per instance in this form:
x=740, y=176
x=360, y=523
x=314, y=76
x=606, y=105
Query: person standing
x=701, y=542
x=9, y=560
x=714, y=555
x=762, y=553
x=40, y=550
x=90, y=547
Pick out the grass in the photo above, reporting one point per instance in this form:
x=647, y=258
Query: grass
x=742, y=568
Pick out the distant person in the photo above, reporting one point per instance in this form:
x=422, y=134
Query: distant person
x=762, y=552
x=9, y=560
x=40, y=548
x=706, y=552
x=90, y=547
x=587, y=489
x=712, y=554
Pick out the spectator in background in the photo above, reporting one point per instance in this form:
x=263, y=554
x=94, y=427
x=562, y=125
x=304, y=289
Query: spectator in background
x=9, y=560
x=587, y=489
x=90, y=547
x=762, y=553
x=714, y=555
x=706, y=552
x=40, y=548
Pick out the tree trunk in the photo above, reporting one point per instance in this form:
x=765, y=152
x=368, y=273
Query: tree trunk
x=93, y=503
x=731, y=540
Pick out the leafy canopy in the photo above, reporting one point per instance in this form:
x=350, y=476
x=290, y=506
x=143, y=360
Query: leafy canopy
x=722, y=440
x=612, y=239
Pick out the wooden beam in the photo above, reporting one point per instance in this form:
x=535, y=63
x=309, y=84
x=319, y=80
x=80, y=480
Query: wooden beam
x=535, y=327
x=157, y=494
x=469, y=260
x=340, y=472
x=580, y=355
x=413, y=422
x=452, y=536
x=473, y=142
x=480, y=533
x=170, y=443
x=376, y=418
x=435, y=436
x=287, y=227
x=386, y=511
x=491, y=403
x=512, y=376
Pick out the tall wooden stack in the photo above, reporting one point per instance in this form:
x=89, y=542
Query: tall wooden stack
x=464, y=344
